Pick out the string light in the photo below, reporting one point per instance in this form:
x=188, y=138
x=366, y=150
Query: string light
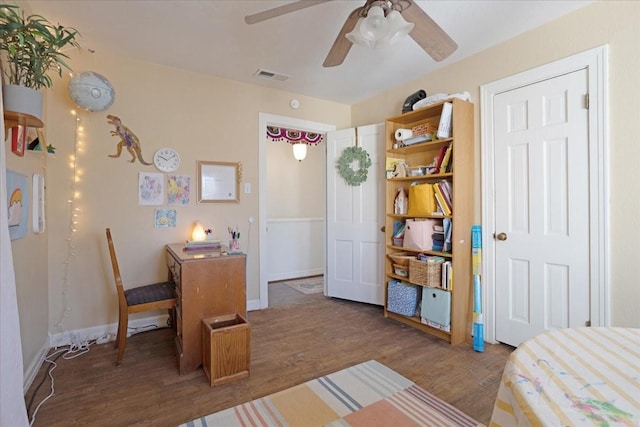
x=73, y=220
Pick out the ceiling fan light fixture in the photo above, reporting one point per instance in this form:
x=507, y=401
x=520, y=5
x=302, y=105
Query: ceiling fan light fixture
x=374, y=26
x=355, y=36
x=377, y=31
x=398, y=28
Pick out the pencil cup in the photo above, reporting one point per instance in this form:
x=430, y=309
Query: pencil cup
x=234, y=244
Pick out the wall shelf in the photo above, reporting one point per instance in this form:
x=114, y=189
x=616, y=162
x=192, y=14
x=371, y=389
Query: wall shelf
x=12, y=118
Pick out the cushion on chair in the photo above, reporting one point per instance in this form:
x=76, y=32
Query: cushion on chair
x=150, y=293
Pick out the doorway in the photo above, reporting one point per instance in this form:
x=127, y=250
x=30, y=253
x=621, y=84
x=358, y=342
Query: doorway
x=287, y=122
x=498, y=267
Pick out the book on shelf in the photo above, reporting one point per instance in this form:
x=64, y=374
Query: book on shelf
x=447, y=225
x=440, y=199
x=447, y=190
x=444, y=126
x=446, y=275
x=441, y=154
x=449, y=167
x=446, y=160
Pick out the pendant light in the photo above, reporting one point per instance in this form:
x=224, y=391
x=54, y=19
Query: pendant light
x=300, y=151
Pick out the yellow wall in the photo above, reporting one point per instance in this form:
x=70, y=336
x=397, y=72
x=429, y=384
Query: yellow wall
x=615, y=23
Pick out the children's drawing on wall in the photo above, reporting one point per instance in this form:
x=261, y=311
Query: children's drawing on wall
x=128, y=139
x=150, y=188
x=178, y=190
x=18, y=204
x=165, y=218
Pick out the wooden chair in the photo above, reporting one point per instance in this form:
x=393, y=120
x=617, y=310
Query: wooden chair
x=157, y=296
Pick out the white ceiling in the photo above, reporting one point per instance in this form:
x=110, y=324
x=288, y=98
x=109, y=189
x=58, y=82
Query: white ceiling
x=211, y=37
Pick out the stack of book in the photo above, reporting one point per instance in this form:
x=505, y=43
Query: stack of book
x=444, y=163
x=441, y=237
x=442, y=191
x=202, y=245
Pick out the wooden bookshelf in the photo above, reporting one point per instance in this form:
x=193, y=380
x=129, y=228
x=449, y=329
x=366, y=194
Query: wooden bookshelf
x=461, y=177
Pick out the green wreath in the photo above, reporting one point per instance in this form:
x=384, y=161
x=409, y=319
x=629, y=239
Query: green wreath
x=349, y=155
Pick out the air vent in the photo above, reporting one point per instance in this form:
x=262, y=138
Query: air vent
x=270, y=75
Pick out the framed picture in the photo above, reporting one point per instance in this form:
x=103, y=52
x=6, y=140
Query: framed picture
x=18, y=139
x=219, y=182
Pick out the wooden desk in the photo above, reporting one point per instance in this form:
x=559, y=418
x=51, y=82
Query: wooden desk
x=207, y=284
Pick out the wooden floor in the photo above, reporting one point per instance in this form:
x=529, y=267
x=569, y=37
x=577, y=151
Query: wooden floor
x=300, y=337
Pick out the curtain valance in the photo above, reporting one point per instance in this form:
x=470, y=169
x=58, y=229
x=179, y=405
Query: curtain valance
x=293, y=136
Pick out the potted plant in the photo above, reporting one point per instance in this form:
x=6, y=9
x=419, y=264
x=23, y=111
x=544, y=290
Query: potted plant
x=31, y=48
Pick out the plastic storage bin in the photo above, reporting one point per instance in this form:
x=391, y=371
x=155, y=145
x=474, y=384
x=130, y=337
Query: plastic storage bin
x=436, y=308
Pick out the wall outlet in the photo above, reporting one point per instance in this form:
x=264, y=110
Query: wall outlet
x=106, y=338
x=247, y=188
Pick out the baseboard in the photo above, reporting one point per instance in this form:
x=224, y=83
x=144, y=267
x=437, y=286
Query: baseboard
x=253, y=305
x=295, y=274
x=106, y=332
x=34, y=367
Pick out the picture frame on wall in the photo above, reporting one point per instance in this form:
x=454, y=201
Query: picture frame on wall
x=219, y=182
x=18, y=140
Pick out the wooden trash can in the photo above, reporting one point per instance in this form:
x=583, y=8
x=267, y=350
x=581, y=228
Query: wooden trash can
x=226, y=348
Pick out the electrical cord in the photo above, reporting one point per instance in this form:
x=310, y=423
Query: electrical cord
x=70, y=352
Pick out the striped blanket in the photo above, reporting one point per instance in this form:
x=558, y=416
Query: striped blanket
x=368, y=394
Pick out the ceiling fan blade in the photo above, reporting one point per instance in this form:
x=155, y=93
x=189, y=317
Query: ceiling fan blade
x=281, y=10
x=342, y=45
x=433, y=39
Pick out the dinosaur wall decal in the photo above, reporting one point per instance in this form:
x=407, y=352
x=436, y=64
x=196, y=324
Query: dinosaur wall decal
x=127, y=139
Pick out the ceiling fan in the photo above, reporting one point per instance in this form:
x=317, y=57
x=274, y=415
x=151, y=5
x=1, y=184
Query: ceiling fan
x=426, y=32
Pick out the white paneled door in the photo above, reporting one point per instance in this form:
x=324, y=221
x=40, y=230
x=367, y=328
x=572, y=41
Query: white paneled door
x=542, y=207
x=355, y=243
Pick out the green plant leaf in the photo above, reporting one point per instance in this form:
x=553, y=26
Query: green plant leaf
x=32, y=45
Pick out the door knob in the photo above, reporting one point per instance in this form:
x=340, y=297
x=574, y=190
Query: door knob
x=501, y=236
x=383, y=228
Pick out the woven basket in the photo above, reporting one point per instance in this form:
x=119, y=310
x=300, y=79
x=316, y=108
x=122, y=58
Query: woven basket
x=426, y=273
x=401, y=258
x=423, y=129
x=401, y=270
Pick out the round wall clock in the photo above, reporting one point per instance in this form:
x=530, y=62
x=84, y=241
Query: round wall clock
x=166, y=159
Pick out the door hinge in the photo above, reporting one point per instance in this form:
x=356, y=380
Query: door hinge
x=586, y=101
x=587, y=323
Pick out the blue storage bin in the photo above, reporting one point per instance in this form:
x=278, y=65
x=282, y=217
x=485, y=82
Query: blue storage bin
x=436, y=307
x=403, y=298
